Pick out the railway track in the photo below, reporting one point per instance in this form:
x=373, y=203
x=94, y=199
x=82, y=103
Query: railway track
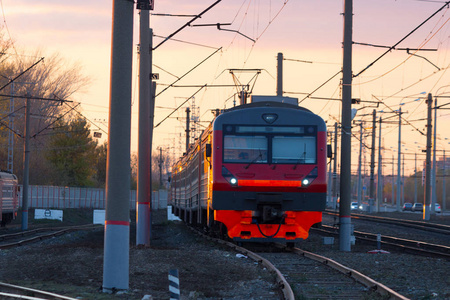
x=427, y=226
x=10, y=291
x=25, y=237
x=412, y=245
x=393, y=243
x=304, y=274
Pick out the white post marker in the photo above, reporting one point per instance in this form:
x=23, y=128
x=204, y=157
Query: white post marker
x=174, y=285
x=378, y=247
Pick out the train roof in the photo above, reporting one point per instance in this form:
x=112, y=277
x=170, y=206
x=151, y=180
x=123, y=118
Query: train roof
x=267, y=104
x=251, y=114
x=7, y=175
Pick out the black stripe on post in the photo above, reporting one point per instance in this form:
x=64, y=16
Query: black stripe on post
x=174, y=285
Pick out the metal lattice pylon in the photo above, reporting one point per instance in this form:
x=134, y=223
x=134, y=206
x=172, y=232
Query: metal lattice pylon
x=10, y=166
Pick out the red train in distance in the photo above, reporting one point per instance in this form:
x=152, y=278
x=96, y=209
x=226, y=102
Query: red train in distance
x=9, y=200
x=258, y=172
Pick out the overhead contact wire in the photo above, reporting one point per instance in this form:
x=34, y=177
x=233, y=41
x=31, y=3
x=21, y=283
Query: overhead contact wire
x=179, y=78
x=404, y=38
x=193, y=95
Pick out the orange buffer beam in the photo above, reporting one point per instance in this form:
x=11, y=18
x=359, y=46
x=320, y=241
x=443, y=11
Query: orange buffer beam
x=239, y=224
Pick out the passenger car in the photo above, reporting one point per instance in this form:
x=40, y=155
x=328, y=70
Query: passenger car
x=417, y=207
x=9, y=202
x=354, y=206
x=407, y=206
x=437, y=207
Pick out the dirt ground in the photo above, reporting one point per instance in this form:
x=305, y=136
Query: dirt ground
x=72, y=265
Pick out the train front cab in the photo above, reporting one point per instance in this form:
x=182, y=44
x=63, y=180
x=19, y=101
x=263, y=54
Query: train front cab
x=269, y=173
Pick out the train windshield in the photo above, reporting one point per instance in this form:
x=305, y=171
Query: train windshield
x=245, y=149
x=270, y=144
x=291, y=149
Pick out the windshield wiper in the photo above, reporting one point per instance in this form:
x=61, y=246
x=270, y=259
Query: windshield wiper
x=254, y=160
x=300, y=159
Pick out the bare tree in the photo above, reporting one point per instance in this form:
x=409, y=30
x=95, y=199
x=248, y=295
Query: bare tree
x=50, y=78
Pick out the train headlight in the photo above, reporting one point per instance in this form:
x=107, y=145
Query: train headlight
x=310, y=178
x=229, y=177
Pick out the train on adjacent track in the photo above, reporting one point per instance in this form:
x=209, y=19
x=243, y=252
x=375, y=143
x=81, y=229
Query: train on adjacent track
x=257, y=173
x=9, y=202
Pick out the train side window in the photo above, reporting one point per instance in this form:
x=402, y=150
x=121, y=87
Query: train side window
x=208, y=150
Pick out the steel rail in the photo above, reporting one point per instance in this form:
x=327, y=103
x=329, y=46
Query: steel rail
x=7, y=291
x=404, y=245
x=433, y=227
x=59, y=231
x=281, y=280
x=363, y=279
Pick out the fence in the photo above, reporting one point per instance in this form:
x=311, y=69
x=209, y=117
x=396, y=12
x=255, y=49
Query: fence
x=43, y=196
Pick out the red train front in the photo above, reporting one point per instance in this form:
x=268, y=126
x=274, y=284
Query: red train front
x=265, y=178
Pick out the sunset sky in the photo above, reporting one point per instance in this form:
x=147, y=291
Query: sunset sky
x=302, y=30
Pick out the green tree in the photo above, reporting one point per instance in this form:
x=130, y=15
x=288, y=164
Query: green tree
x=73, y=153
x=133, y=170
x=100, y=165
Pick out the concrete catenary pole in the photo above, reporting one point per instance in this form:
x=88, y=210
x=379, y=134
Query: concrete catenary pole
x=393, y=179
x=403, y=180
x=379, y=175
x=144, y=144
x=434, y=168
x=188, y=130
x=280, y=74
x=152, y=118
x=372, y=162
x=117, y=217
x=345, y=188
x=26, y=166
x=329, y=193
x=335, y=166
x=399, y=159
x=427, y=190
x=160, y=164
x=415, y=177
x=359, y=191
x=444, y=196
x=11, y=133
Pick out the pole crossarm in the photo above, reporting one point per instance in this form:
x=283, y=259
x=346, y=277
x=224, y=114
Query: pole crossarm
x=200, y=85
x=220, y=28
x=445, y=104
x=36, y=98
x=394, y=48
x=413, y=54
